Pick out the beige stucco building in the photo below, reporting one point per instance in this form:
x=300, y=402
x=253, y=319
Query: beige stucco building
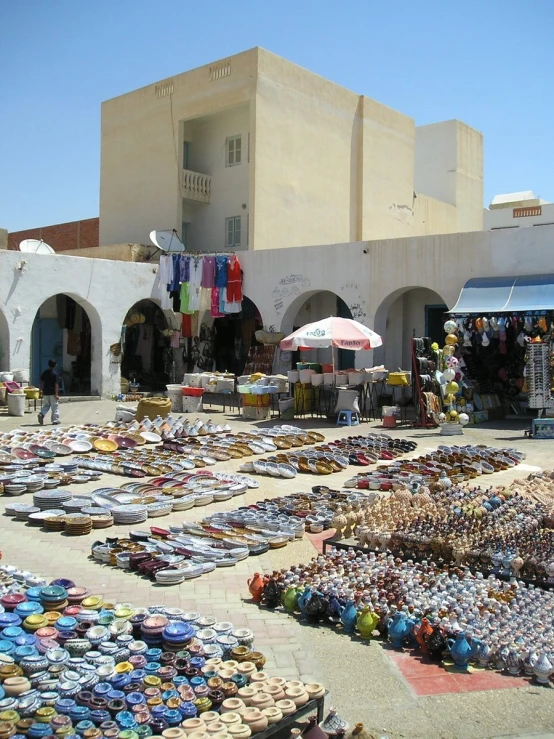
x=255, y=152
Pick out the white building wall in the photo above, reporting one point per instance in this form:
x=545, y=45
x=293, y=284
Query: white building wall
x=504, y=217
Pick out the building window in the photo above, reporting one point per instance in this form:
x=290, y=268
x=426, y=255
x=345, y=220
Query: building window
x=186, y=154
x=184, y=233
x=234, y=151
x=232, y=229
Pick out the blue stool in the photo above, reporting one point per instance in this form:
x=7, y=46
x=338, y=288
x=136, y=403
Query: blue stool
x=348, y=418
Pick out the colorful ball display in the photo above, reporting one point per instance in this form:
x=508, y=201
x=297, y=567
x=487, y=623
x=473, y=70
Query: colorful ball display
x=463, y=419
x=449, y=375
x=452, y=388
x=451, y=340
x=450, y=327
x=451, y=362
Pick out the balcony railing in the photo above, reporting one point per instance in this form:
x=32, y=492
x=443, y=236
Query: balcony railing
x=196, y=186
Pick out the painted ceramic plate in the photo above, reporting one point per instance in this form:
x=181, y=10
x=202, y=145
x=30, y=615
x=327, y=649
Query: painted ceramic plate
x=151, y=437
x=80, y=446
x=105, y=445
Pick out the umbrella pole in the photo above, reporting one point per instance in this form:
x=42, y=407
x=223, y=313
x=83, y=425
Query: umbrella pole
x=335, y=357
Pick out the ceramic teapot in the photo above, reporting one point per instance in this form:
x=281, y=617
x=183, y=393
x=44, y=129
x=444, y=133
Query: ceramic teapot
x=256, y=586
x=461, y=649
x=366, y=622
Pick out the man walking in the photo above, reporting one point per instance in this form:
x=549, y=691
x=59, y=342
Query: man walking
x=50, y=393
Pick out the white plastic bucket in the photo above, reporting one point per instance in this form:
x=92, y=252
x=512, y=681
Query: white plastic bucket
x=175, y=394
x=328, y=378
x=16, y=404
x=341, y=379
x=194, y=380
x=355, y=378
x=293, y=375
x=306, y=375
x=317, y=380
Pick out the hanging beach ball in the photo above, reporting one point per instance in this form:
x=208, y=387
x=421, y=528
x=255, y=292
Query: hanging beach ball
x=448, y=351
x=449, y=375
x=450, y=327
x=451, y=339
x=452, y=388
x=442, y=418
x=449, y=399
x=451, y=362
x=453, y=415
x=463, y=418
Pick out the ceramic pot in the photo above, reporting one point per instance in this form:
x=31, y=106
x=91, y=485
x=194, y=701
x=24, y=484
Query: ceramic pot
x=209, y=717
x=273, y=714
x=14, y=686
x=286, y=706
x=237, y=731
x=246, y=694
x=543, y=668
x=198, y=735
x=247, y=668
x=257, y=658
x=315, y=690
x=231, y=717
x=216, y=727
x=276, y=691
x=229, y=689
x=255, y=720
x=232, y=705
x=262, y=700
x=256, y=587
x=259, y=677
x=193, y=724
x=174, y=733
x=298, y=695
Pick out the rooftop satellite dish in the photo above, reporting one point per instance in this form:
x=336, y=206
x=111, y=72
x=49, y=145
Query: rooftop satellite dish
x=35, y=246
x=167, y=241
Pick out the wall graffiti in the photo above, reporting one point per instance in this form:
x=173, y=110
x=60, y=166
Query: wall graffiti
x=288, y=287
x=358, y=305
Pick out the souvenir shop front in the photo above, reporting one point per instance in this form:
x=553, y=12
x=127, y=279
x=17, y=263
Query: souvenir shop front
x=146, y=347
x=503, y=342
x=218, y=323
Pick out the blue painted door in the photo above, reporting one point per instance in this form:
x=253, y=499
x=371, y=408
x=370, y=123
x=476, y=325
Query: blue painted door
x=47, y=344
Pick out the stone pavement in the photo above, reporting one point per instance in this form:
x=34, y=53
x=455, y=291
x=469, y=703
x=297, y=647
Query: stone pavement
x=363, y=682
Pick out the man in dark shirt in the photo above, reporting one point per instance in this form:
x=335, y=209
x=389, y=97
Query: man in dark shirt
x=50, y=393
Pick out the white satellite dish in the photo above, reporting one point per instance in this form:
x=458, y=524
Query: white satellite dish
x=35, y=246
x=167, y=241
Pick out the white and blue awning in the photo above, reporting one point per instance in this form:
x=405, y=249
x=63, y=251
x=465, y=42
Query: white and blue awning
x=485, y=295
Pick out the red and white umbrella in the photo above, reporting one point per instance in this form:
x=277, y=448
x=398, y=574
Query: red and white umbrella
x=342, y=333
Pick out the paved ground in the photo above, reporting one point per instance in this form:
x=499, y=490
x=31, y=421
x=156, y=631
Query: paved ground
x=363, y=682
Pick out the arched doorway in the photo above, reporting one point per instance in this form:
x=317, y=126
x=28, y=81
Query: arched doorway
x=66, y=329
x=147, y=342
x=233, y=341
x=405, y=313
x=4, y=343
x=311, y=307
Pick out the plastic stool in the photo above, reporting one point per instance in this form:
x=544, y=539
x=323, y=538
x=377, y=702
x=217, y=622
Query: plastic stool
x=348, y=418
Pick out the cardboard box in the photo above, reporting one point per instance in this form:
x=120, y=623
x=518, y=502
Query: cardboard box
x=543, y=428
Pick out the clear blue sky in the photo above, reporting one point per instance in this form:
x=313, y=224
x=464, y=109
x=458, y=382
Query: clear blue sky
x=486, y=62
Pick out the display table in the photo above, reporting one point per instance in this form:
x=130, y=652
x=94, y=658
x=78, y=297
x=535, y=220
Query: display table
x=226, y=400
x=282, y=729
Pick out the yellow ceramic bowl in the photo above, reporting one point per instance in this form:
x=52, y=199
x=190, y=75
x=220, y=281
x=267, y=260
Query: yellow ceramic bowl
x=93, y=602
x=124, y=613
x=123, y=667
x=152, y=681
x=104, y=445
x=34, y=622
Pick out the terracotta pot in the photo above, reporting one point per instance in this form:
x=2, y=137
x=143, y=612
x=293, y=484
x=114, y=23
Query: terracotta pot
x=255, y=719
x=275, y=691
x=258, y=659
x=14, y=686
x=225, y=674
x=193, y=724
x=247, y=693
x=277, y=681
x=259, y=677
x=209, y=717
x=240, y=654
x=229, y=689
x=175, y=733
x=240, y=731
x=231, y=704
x=297, y=695
x=273, y=714
x=230, y=718
x=230, y=664
x=213, y=663
x=247, y=668
x=315, y=690
x=216, y=727
x=262, y=700
x=215, y=683
x=286, y=706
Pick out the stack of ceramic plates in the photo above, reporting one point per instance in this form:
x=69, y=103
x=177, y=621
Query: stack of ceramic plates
x=77, y=525
x=51, y=482
x=76, y=505
x=156, y=510
x=51, y=498
x=94, y=511
x=130, y=514
x=102, y=522
x=53, y=523
x=69, y=468
x=21, y=511
x=37, y=519
x=33, y=483
x=14, y=488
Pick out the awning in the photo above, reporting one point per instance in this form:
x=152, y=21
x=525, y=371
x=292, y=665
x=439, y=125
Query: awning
x=485, y=295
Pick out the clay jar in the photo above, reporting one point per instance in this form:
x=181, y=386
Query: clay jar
x=215, y=683
x=262, y=700
x=240, y=731
x=276, y=691
x=286, y=706
x=193, y=724
x=14, y=686
x=315, y=690
x=230, y=664
x=247, y=693
x=255, y=719
x=231, y=705
x=240, y=654
x=229, y=689
x=224, y=674
x=198, y=735
x=230, y=718
x=247, y=669
x=216, y=727
x=259, y=677
x=209, y=717
x=273, y=714
x=175, y=733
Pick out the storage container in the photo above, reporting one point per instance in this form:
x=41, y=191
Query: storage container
x=21, y=375
x=317, y=379
x=293, y=375
x=193, y=392
x=175, y=395
x=328, y=378
x=192, y=404
x=355, y=378
x=328, y=368
x=256, y=399
x=16, y=404
x=255, y=413
x=224, y=385
x=306, y=375
x=341, y=378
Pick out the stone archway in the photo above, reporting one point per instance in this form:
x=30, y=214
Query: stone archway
x=68, y=328
x=404, y=313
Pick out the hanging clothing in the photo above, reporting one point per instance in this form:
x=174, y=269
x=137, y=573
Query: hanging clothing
x=234, y=280
x=78, y=320
x=176, y=277
x=205, y=299
x=174, y=342
x=144, y=346
x=215, y=312
x=61, y=303
x=221, y=271
x=164, y=277
x=196, y=269
x=208, y=272
x=194, y=297
x=185, y=299
x=186, y=325
x=185, y=269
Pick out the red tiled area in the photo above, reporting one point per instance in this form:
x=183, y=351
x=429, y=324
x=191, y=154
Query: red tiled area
x=318, y=539
x=428, y=678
